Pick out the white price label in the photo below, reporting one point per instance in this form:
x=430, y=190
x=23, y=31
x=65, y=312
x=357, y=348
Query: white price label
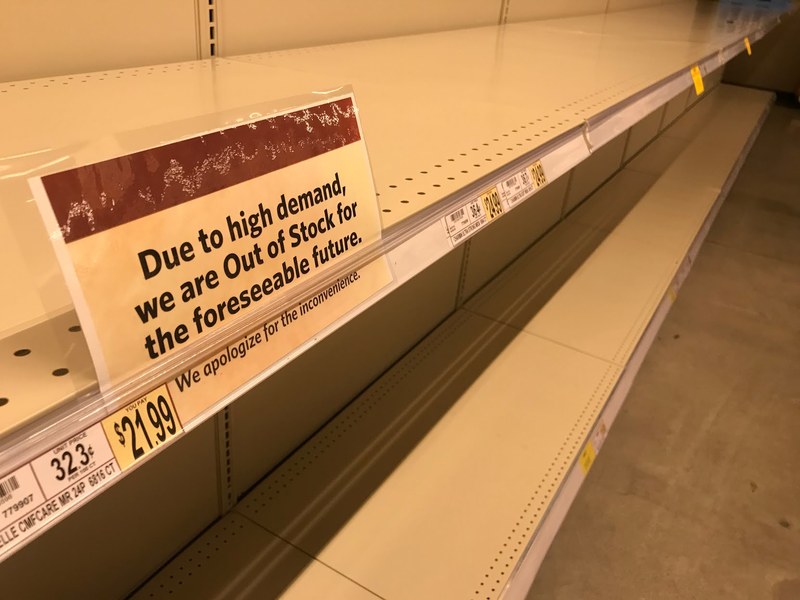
x=464, y=221
x=72, y=460
x=515, y=188
x=599, y=436
x=36, y=494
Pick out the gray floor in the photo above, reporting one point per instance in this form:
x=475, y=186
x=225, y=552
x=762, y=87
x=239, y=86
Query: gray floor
x=696, y=493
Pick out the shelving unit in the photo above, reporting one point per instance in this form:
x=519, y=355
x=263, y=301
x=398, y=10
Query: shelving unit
x=449, y=476
x=467, y=110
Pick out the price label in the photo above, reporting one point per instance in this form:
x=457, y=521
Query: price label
x=515, y=188
x=587, y=457
x=142, y=426
x=697, y=78
x=491, y=203
x=747, y=46
x=599, y=436
x=72, y=460
x=537, y=174
x=35, y=495
x=464, y=221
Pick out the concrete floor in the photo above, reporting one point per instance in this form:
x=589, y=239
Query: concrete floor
x=696, y=493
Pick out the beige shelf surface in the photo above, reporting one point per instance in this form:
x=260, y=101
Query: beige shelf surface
x=436, y=482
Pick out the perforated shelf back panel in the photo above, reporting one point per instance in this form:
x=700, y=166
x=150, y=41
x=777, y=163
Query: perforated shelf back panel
x=52, y=37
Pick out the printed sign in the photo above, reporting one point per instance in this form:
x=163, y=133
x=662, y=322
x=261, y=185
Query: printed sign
x=164, y=246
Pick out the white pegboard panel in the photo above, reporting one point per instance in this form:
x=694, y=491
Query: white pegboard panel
x=592, y=172
x=641, y=133
x=247, y=26
x=52, y=37
x=526, y=10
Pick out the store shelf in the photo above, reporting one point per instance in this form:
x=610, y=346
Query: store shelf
x=449, y=476
x=465, y=110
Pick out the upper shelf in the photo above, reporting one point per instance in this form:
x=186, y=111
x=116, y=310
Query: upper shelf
x=444, y=114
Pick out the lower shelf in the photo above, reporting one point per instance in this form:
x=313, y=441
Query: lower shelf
x=450, y=475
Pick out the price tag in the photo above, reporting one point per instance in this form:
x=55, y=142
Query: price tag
x=470, y=217
x=587, y=457
x=515, y=188
x=673, y=295
x=491, y=203
x=537, y=174
x=697, y=77
x=37, y=494
x=599, y=436
x=69, y=462
x=142, y=426
x=464, y=221
x=747, y=46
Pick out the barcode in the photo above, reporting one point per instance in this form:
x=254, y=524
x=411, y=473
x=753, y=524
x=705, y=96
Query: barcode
x=8, y=486
x=475, y=209
x=458, y=215
x=512, y=181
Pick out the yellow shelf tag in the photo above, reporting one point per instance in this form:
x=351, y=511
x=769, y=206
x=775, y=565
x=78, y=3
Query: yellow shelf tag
x=747, y=46
x=673, y=295
x=537, y=174
x=491, y=203
x=697, y=77
x=141, y=427
x=586, y=458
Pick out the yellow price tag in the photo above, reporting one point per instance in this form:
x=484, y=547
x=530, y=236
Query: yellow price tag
x=145, y=424
x=747, y=46
x=697, y=77
x=587, y=457
x=673, y=295
x=491, y=203
x=537, y=174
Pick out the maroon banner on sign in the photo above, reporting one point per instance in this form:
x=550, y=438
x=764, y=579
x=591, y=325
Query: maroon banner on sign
x=94, y=198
